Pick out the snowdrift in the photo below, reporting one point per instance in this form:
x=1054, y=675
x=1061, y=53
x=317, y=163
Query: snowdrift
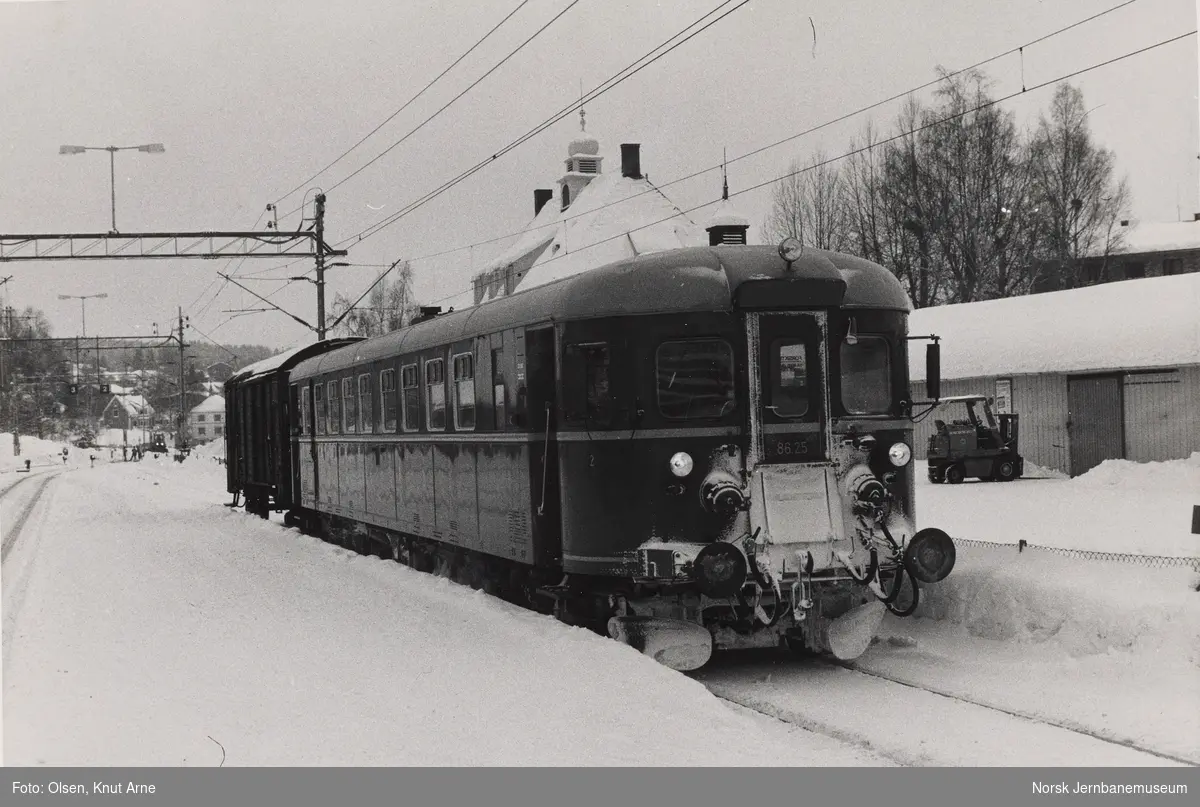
x=1074, y=604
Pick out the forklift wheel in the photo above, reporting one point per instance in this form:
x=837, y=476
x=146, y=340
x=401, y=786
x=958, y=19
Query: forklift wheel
x=1006, y=471
x=954, y=474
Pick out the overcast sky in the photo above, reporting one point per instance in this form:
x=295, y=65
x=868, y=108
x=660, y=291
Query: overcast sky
x=253, y=97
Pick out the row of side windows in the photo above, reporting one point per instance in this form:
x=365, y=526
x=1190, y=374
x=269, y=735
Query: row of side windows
x=345, y=406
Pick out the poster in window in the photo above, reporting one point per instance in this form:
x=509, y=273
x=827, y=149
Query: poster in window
x=1003, y=396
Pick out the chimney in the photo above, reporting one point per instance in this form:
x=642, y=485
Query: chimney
x=631, y=160
x=540, y=197
x=1196, y=217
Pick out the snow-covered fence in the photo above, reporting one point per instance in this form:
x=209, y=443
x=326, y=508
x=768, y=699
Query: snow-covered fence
x=1153, y=561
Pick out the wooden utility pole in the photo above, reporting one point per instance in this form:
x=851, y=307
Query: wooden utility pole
x=319, y=248
x=181, y=438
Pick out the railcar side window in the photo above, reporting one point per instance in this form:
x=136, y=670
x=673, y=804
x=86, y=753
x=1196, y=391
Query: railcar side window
x=695, y=379
x=305, y=408
x=499, y=396
x=387, y=392
x=349, y=410
x=435, y=394
x=335, y=407
x=366, y=417
x=322, y=414
x=412, y=398
x=789, y=394
x=586, y=385
x=464, y=391
x=866, y=376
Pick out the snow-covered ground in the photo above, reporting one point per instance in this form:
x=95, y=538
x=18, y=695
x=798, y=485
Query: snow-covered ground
x=145, y=623
x=1118, y=506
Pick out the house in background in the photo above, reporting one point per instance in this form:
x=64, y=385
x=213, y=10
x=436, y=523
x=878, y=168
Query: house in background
x=127, y=411
x=206, y=421
x=1150, y=249
x=1110, y=371
x=597, y=217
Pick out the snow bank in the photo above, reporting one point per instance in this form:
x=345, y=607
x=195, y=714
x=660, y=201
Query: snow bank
x=1180, y=475
x=1120, y=507
x=37, y=451
x=1080, y=607
x=214, y=449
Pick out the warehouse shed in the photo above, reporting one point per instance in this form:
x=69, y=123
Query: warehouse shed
x=1110, y=371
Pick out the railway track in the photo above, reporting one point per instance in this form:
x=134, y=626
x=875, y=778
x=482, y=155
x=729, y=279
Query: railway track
x=916, y=725
x=1065, y=726
x=10, y=529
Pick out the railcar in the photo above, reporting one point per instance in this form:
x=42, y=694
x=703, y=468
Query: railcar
x=697, y=449
x=258, y=421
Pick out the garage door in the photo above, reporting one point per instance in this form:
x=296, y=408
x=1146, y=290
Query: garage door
x=1095, y=421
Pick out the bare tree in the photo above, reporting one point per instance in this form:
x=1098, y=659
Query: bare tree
x=807, y=204
x=1075, y=190
x=389, y=307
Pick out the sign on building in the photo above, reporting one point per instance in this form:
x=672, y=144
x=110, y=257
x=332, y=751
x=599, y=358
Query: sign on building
x=1003, y=396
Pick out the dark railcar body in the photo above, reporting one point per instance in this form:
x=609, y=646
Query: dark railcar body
x=624, y=434
x=258, y=421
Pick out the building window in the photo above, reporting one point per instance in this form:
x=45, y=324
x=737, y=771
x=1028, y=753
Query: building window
x=321, y=414
x=217, y=431
x=199, y=418
x=464, y=392
x=387, y=393
x=216, y=418
x=1134, y=269
x=200, y=430
x=349, y=409
x=366, y=421
x=1172, y=266
x=435, y=395
x=412, y=398
x=335, y=407
x=566, y=197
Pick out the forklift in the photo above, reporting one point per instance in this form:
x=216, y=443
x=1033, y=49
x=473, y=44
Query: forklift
x=984, y=447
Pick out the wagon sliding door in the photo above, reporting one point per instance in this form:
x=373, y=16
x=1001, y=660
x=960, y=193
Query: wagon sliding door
x=1095, y=421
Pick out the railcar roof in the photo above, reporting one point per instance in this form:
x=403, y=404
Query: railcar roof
x=674, y=281
x=288, y=358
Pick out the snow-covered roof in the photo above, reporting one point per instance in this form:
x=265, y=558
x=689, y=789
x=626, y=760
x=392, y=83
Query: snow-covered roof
x=132, y=404
x=213, y=403
x=1167, y=236
x=1130, y=324
x=600, y=226
x=726, y=215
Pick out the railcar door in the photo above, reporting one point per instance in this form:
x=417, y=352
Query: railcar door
x=789, y=383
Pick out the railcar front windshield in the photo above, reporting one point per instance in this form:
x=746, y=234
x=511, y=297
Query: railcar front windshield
x=866, y=376
x=695, y=379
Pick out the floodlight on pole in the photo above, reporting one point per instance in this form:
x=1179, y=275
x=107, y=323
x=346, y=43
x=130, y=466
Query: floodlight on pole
x=83, y=298
x=146, y=148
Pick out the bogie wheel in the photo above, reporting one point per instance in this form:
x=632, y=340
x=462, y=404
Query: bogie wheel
x=1006, y=471
x=954, y=474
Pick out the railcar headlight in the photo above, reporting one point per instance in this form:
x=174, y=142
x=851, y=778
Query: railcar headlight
x=681, y=464
x=899, y=454
x=790, y=249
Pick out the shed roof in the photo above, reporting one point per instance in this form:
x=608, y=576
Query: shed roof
x=1130, y=324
